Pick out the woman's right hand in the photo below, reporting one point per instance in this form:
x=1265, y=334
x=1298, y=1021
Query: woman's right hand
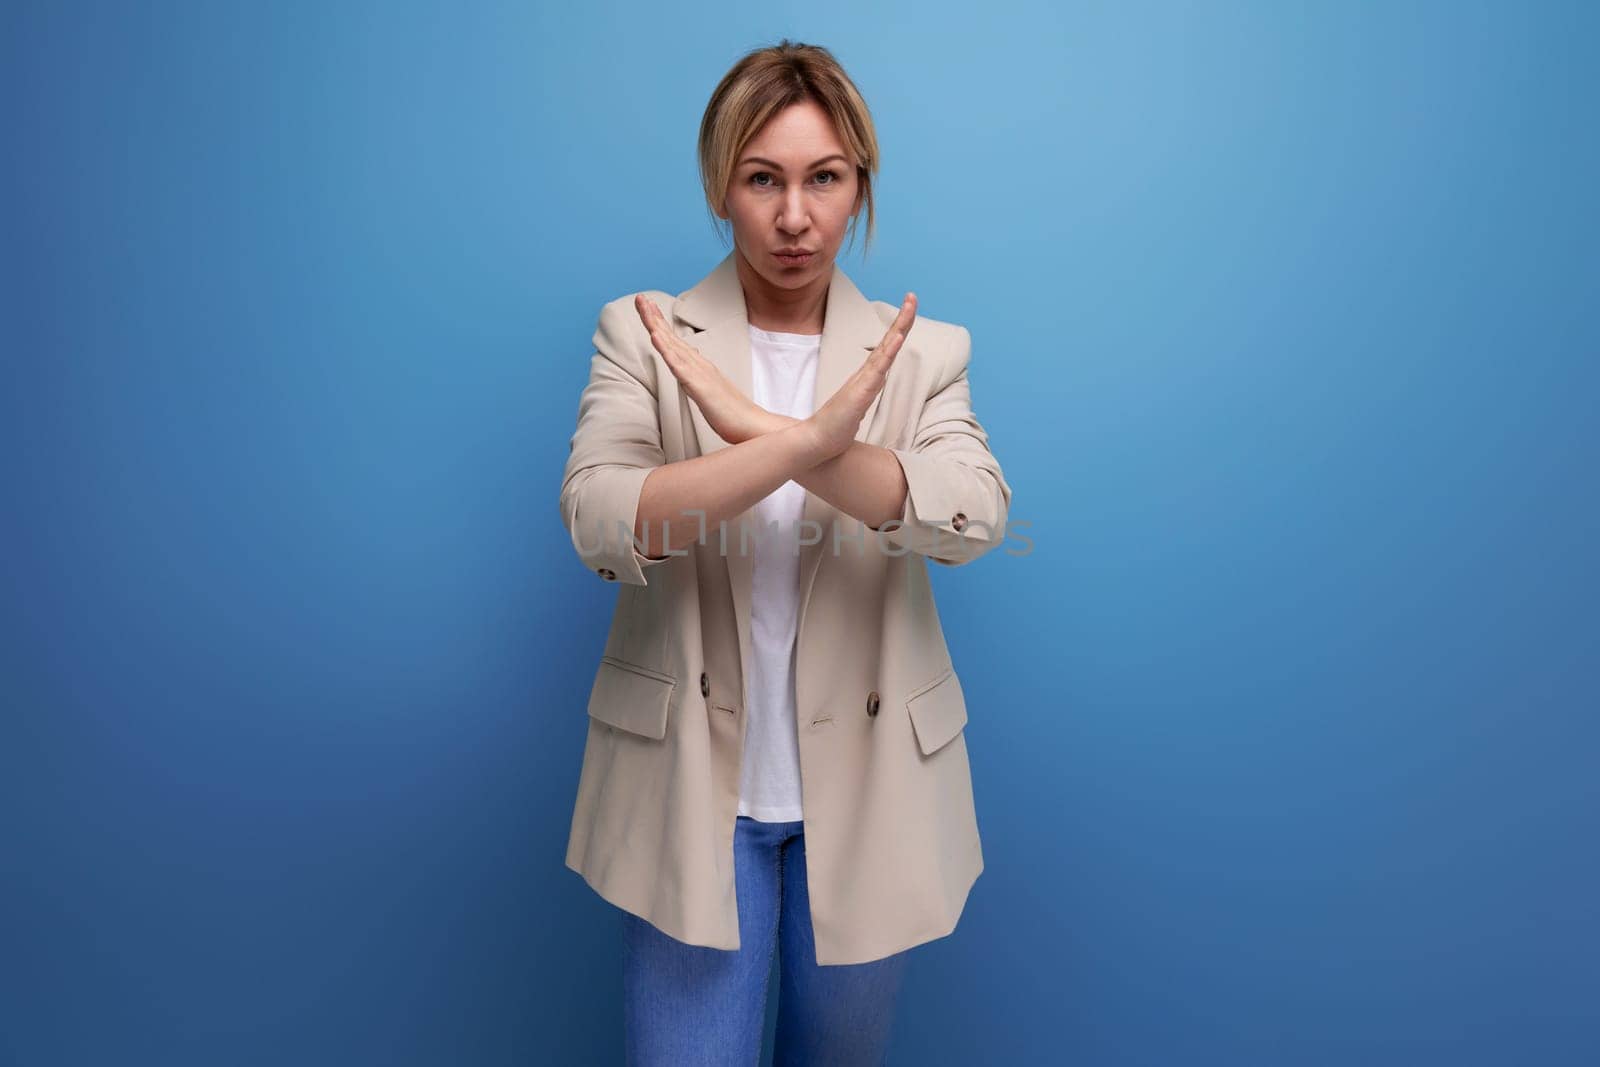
x=835, y=423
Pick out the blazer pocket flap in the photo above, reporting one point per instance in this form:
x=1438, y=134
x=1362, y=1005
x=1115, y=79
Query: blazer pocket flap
x=631, y=697
x=938, y=712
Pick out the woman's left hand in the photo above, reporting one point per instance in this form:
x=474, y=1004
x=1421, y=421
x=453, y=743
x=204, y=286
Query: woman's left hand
x=734, y=416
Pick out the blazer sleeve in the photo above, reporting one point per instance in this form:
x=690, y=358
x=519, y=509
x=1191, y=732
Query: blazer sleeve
x=616, y=445
x=950, y=472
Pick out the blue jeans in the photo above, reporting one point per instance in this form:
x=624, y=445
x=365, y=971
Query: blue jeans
x=687, y=1004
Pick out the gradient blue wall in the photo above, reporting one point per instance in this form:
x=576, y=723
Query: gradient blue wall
x=1284, y=734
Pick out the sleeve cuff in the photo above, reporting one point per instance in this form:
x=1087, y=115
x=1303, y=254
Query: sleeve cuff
x=933, y=523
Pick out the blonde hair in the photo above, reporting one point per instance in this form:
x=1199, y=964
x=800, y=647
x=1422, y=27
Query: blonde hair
x=761, y=84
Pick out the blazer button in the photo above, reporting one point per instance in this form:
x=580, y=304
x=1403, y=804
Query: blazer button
x=872, y=702
x=958, y=520
x=607, y=573
x=705, y=684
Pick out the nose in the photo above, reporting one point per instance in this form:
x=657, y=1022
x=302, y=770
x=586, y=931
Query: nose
x=792, y=215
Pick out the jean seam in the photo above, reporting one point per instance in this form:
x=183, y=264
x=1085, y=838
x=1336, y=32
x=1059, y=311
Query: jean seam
x=777, y=914
x=777, y=926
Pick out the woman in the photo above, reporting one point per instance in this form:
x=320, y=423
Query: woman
x=766, y=462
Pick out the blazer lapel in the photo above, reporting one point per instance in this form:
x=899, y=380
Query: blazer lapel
x=715, y=306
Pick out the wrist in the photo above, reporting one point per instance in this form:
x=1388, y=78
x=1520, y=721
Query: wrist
x=772, y=421
x=814, y=443
x=762, y=422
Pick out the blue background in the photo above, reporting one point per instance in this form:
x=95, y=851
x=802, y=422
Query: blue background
x=1284, y=734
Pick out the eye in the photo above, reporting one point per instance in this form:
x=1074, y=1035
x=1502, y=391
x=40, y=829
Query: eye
x=832, y=176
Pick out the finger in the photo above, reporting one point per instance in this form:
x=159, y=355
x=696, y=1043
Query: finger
x=682, y=359
x=665, y=341
x=884, y=351
x=647, y=311
x=908, y=314
x=883, y=354
x=902, y=321
x=646, y=308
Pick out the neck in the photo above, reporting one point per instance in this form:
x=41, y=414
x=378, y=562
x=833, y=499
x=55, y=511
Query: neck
x=778, y=310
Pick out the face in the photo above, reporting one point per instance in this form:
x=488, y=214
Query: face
x=795, y=186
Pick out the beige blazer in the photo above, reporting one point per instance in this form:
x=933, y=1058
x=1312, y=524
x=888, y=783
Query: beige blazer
x=892, y=844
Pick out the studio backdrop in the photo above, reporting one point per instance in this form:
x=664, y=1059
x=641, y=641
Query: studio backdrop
x=1282, y=701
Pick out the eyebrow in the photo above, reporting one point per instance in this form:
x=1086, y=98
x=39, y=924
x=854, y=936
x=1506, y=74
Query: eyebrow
x=778, y=166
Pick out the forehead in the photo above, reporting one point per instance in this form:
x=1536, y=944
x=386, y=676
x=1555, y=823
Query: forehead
x=800, y=134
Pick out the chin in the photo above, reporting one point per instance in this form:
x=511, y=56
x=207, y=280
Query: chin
x=795, y=278
x=791, y=279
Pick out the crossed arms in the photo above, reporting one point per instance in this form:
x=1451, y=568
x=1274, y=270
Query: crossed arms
x=946, y=488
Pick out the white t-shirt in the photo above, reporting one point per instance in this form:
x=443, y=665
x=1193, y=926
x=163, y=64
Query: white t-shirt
x=783, y=380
